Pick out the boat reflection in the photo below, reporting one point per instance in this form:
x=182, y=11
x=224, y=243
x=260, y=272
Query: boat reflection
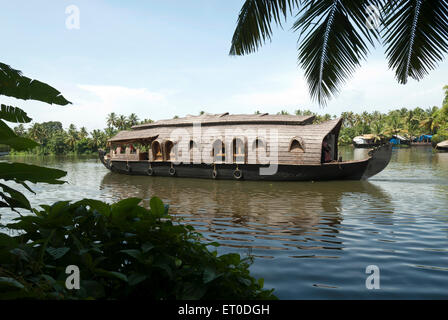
x=299, y=214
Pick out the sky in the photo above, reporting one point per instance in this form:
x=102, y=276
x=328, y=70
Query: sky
x=161, y=58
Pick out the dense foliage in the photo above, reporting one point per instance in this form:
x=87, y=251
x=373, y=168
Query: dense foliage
x=54, y=139
x=122, y=251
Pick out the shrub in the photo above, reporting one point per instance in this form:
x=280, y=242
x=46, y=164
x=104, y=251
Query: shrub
x=123, y=251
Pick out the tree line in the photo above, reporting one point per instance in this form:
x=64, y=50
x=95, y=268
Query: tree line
x=54, y=139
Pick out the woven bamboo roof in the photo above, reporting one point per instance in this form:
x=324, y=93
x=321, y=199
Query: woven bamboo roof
x=226, y=118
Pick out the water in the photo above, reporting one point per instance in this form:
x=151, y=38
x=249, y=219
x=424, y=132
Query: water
x=310, y=240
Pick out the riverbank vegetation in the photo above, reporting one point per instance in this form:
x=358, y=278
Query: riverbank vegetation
x=121, y=251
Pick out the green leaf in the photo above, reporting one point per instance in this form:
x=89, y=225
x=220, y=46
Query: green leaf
x=10, y=282
x=157, y=206
x=416, y=36
x=14, y=84
x=13, y=114
x=245, y=281
x=18, y=200
x=124, y=206
x=112, y=274
x=97, y=205
x=57, y=253
x=8, y=137
x=147, y=246
x=20, y=172
x=335, y=40
x=20, y=253
x=136, y=278
x=210, y=275
x=254, y=23
x=134, y=253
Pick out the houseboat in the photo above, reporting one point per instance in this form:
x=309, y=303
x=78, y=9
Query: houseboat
x=240, y=147
x=367, y=141
x=399, y=140
x=442, y=146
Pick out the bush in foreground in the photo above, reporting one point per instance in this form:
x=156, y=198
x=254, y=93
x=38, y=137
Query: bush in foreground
x=123, y=251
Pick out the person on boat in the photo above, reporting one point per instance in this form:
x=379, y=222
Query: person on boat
x=326, y=152
x=131, y=148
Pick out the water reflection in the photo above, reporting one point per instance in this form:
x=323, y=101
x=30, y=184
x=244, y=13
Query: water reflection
x=256, y=215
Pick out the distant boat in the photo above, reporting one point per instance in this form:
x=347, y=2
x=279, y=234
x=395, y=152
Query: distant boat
x=367, y=141
x=399, y=140
x=301, y=151
x=442, y=146
x=423, y=140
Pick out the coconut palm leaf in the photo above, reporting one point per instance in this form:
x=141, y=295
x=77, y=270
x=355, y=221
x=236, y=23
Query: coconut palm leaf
x=14, y=84
x=254, y=23
x=336, y=39
x=415, y=36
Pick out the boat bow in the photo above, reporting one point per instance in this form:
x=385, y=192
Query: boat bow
x=379, y=159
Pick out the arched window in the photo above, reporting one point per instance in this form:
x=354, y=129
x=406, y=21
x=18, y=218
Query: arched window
x=169, y=151
x=156, y=151
x=219, y=151
x=195, y=154
x=258, y=143
x=239, y=151
x=296, y=146
x=259, y=148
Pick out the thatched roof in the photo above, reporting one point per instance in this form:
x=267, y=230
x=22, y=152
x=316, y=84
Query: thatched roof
x=443, y=144
x=310, y=136
x=226, y=118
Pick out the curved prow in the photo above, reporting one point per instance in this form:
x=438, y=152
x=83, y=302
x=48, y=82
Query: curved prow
x=101, y=154
x=379, y=159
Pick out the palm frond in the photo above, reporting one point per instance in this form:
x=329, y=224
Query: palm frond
x=14, y=84
x=254, y=23
x=416, y=36
x=336, y=39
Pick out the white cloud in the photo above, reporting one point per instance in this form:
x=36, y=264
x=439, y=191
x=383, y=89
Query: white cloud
x=92, y=104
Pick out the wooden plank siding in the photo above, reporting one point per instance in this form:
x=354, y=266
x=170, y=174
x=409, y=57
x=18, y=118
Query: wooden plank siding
x=310, y=137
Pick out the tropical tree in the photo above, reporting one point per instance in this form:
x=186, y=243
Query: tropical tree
x=132, y=119
x=98, y=139
x=111, y=120
x=83, y=133
x=122, y=123
x=336, y=35
x=72, y=137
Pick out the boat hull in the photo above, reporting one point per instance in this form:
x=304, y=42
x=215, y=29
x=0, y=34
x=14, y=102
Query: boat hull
x=348, y=170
